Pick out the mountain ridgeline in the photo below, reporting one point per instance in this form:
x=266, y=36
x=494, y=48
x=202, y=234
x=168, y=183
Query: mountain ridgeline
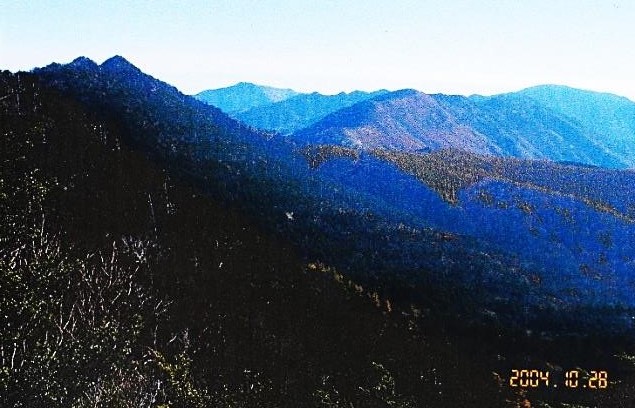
x=510, y=125
x=287, y=113
x=300, y=111
x=548, y=122
x=244, y=96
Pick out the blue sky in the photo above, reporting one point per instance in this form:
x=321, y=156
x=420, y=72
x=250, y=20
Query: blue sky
x=449, y=46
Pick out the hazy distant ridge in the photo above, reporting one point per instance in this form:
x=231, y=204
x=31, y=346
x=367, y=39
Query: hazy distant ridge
x=547, y=122
x=508, y=125
x=243, y=96
x=280, y=110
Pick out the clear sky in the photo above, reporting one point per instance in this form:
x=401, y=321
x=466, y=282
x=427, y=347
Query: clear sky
x=448, y=46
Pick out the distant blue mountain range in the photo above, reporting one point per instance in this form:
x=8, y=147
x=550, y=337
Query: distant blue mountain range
x=300, y=111
x=546, y=122
x=281, y=110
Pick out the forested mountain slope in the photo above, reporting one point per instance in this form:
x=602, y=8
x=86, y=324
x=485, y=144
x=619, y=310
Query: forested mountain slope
x=123, y=285
x=511, y=125
x=300, y=111
x=610, y=118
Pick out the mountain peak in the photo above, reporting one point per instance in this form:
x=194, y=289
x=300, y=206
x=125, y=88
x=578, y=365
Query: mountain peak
x=243, y=96
x=399, y=94
x=563, y=91
x=84, y=63
x=119, y=63
x=244, y=84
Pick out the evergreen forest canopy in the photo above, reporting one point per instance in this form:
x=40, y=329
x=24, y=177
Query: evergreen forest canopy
x=156, y=252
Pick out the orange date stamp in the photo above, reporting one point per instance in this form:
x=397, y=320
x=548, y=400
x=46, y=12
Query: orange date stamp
x=571, y=379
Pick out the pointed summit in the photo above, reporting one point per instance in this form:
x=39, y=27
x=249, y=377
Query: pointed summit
x=83, y=63
x=119, y=63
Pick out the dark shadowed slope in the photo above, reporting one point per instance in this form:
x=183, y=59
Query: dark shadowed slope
x=160, y=120
x=122, y=285
x=501, y=249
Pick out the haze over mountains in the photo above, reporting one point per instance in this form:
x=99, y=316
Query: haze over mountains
x=546, y=122
x=244, y=96
x=300, y=111
x=287, y=112
x=610, y=118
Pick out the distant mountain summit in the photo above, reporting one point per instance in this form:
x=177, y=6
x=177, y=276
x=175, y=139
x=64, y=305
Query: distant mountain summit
x=609, y=118
x=405, y=120
x=243, y=96
x=279, y=110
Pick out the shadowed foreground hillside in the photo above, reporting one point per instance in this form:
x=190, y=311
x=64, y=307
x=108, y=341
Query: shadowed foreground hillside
x=122, y=286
